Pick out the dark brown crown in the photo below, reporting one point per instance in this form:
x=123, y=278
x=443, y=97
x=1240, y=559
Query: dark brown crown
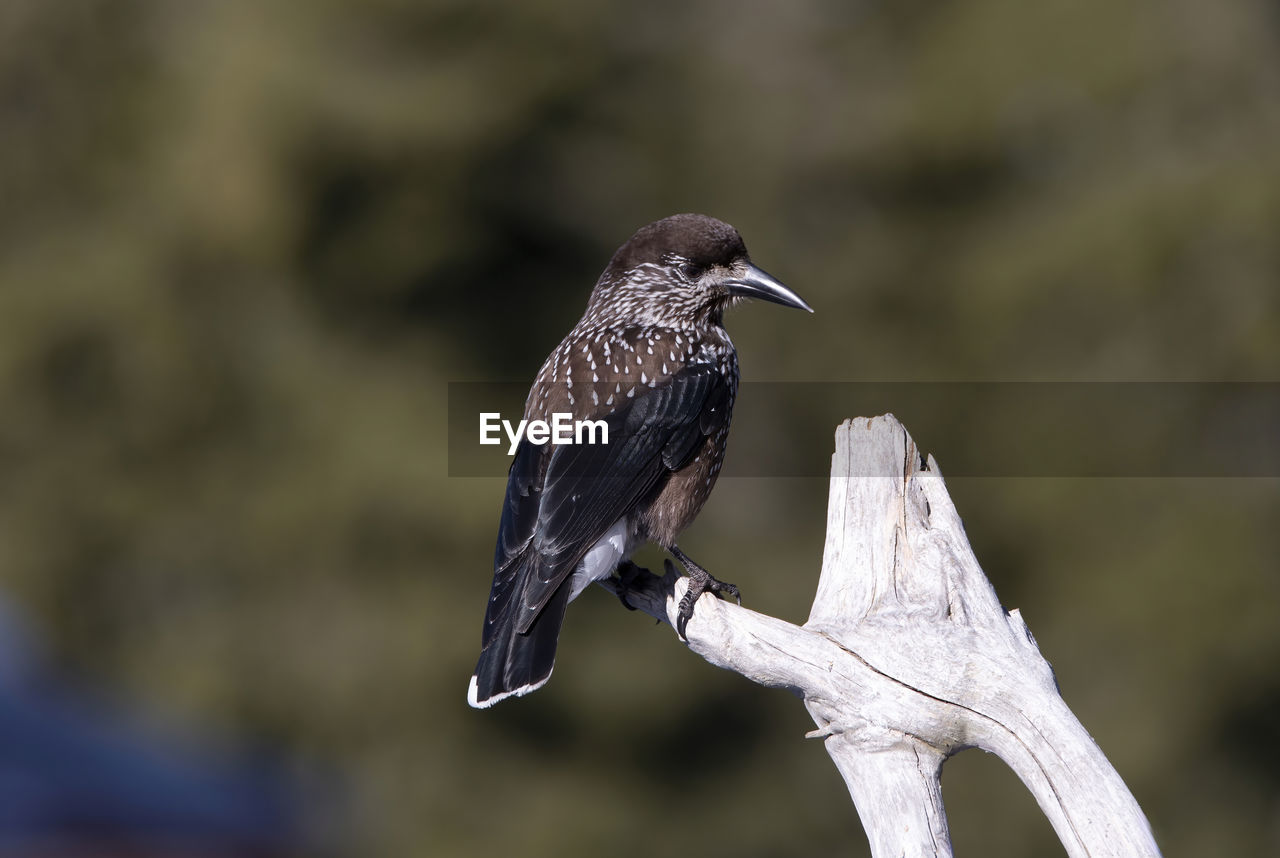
x=696, y=238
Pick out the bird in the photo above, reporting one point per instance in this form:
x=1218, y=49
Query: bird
x=651, y=358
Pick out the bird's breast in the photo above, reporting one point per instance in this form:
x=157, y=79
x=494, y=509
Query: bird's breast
x=685, y=492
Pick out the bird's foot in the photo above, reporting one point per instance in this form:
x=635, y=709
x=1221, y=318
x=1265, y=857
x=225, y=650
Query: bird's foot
x=700, y=581
x=628, y=572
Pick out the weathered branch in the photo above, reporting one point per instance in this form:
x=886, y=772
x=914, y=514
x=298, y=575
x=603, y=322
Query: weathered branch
x=908, y=657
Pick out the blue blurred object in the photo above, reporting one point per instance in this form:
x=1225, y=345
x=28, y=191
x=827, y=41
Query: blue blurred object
x=80, y=776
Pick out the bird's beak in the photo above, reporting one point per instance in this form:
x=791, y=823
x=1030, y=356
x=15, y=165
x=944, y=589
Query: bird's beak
x=755, y=283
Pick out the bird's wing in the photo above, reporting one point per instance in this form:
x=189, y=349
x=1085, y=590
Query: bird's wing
x=562, y=499
x=515, y=529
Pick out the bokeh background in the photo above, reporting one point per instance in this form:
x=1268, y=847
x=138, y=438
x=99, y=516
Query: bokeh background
x=245, y=246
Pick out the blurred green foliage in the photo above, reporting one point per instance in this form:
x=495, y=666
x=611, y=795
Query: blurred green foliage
x=244, y=247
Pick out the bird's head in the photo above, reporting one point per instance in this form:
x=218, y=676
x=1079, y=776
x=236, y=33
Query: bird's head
x=683, y=270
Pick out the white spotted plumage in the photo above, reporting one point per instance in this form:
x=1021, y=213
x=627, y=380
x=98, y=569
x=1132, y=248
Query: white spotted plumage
x=662, y=296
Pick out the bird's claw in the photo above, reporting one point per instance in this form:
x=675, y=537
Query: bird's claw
x=700, y=581
x=685, y=612
x=628, y=573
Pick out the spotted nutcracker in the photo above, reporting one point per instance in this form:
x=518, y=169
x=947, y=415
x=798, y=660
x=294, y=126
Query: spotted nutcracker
x=651, y=358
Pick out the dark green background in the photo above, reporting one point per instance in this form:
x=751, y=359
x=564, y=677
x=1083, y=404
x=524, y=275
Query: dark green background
x=245, y=246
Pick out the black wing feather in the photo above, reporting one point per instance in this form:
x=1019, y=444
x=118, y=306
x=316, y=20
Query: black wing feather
x=713, y=417
x=586, y=488
x=515, y=531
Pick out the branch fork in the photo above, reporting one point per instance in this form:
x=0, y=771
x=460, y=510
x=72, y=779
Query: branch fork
x=908, y=657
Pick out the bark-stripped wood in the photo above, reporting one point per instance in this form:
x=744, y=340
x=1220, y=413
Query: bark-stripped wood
x=908, y=657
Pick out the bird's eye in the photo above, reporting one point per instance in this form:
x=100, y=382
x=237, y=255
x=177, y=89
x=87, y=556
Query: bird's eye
x=691, y=271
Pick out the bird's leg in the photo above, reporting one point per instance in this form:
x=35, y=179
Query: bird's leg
x=700, y=581
x=628, y=572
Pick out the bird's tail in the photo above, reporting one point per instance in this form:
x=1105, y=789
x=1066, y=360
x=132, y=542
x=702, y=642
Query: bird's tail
x=513, y=663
